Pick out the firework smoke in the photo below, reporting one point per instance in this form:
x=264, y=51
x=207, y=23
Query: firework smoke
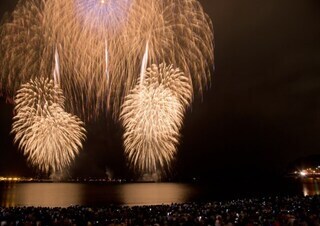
x=49, y=137
x=152, y=116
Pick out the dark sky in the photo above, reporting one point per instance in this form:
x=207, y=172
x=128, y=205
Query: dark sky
x=261, y=113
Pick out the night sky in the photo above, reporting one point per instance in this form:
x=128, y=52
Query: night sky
x=261, y=113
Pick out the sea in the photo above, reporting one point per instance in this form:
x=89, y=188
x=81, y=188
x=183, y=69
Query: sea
x=64, y=194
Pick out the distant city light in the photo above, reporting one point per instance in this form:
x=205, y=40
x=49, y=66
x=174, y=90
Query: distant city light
x=308, y=172
x=303, y=173
x=14, y=179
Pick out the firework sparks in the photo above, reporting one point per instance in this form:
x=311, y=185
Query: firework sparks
x=38, y=94
x=152, y=116
x=175, y=31
x=98, y=52
x=49, y=137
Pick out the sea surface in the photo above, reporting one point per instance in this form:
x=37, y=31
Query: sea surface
x=102, y=194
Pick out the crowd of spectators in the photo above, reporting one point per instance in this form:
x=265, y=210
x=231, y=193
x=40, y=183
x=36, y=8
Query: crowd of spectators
x=274, y=211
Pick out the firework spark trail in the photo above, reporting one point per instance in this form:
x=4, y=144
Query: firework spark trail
x=152, y=116
x=107, y=59
x=177, y=32
x=144, y=63
x=56, y=72
x=49, y=137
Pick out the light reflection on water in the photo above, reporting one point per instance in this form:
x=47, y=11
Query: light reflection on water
x=100, y=194
x=156, y=193
x=41, y=194
x=311, y=186
x=66, y=194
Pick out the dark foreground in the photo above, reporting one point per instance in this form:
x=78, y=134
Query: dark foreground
x=265, y=211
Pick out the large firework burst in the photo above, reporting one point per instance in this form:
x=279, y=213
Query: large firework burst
x=152, y=116
x=101, y=45
x=49, y=137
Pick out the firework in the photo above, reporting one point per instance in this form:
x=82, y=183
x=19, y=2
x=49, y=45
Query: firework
x=49, y=137
x=101, y=46
x=152, y=116
x=24, y=46
x=101, y=15
x=39, y=94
